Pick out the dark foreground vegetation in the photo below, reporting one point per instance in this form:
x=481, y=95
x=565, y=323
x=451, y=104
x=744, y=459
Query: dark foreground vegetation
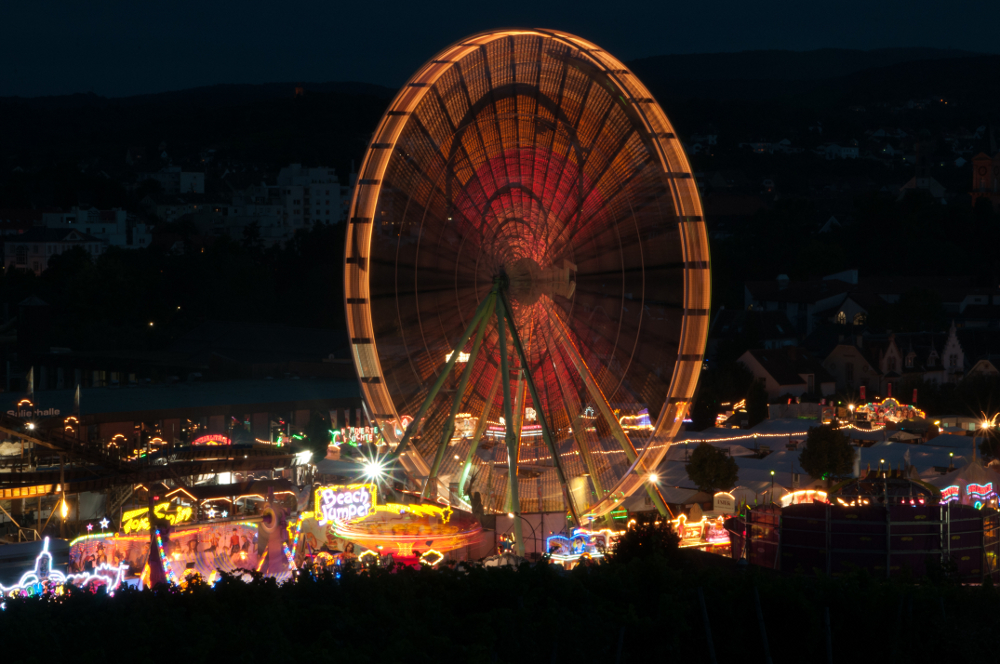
x=643, y=606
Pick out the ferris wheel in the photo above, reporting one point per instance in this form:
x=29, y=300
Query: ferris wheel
x=527, y=277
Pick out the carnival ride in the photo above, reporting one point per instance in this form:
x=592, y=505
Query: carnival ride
x=888, y=410
x=42, y=578
x=526, y=256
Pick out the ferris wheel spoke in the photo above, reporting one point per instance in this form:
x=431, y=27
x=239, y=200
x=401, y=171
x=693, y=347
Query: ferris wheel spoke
x=546, y=433
x=574, y=413
x=480, y=430
x=480, y=313
x=602, y=403
x=463, y=383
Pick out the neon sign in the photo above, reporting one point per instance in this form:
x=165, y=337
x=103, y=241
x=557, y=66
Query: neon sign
x=431, y=558
x=345, y=503
x=137, y=520
x=355, y=435
x=949, y=494
x=212, y=439
x=980, y=490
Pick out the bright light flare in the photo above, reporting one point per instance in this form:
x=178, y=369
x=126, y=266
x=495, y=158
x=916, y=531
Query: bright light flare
x=654, y=478
x=374, y=469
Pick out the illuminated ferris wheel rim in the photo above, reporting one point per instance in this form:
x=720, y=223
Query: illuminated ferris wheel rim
x=677, y=179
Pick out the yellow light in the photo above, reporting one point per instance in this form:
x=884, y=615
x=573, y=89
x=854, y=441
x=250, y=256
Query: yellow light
x=653, y=478
x=65, y=509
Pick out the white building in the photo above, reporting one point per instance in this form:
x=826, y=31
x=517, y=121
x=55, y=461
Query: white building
x=175, y=181
x=113, y=227
x=310, y=195
x=32, y=249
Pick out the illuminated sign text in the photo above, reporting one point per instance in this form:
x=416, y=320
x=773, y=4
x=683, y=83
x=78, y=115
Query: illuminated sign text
x=345, y=503
x=137, y=520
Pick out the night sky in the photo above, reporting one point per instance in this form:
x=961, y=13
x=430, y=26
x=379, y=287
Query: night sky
x=118, y=48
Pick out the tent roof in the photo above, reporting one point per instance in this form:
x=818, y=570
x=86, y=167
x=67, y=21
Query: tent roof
x=974, y=472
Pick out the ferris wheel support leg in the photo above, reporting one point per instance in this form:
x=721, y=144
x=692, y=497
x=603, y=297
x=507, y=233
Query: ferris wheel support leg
x=481, y=312
x=515, y=504
x=546, y=434
x=456, y=403
x=480, y=430
x=602, y=405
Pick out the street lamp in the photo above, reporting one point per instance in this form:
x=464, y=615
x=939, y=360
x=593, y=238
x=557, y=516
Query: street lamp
x=772, y=487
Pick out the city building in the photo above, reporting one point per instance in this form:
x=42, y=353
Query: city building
x=310, y=195
x=851, y=369
x=767, y=329
x=32, y=249
x=113, y=227
x=800, y=301
x=175, y=181
x=788, y=371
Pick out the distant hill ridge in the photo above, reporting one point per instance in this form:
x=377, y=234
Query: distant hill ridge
x=227, y=94
x=783, y=65
x=775, y=65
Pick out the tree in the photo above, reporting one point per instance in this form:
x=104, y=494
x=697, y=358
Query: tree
x=317, y=433
x=756, y=403
x=648, y=537
x=827, y=454
x=712, y=469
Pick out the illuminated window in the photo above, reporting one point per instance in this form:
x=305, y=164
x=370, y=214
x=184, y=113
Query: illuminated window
x=859, y=319
x=842, y=318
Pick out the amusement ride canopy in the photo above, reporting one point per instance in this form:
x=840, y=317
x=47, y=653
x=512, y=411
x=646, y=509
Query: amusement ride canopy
x=525, y=186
